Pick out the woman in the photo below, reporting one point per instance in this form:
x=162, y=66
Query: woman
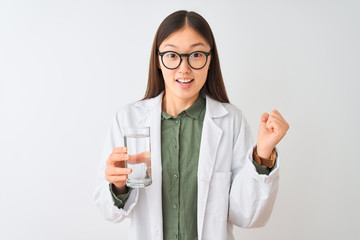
x=207, y=173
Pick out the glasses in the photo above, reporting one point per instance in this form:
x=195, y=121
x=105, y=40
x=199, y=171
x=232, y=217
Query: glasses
x=172, y=60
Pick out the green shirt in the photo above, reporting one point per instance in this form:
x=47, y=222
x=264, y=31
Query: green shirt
x=181, y=137
x=180, y=146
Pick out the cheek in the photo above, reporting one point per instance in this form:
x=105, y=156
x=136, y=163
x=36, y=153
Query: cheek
x=167, y=75
x=205, y=71
x=203, y=75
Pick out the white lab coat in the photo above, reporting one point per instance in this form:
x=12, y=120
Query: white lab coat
x=230, y=191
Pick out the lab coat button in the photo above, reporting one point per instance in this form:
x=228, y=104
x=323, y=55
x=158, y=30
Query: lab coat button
x=175, y=176
x=174, y=206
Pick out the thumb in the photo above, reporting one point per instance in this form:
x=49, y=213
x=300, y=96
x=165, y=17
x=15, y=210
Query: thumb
x=264, y=118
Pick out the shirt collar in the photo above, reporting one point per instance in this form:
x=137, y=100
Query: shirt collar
x=197, y=107
x=193, y=111
x=164, y=115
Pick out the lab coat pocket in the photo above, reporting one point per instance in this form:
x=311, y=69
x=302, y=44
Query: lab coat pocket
x=219, y=195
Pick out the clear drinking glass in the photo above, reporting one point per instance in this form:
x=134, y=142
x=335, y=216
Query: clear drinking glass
x=137, y=141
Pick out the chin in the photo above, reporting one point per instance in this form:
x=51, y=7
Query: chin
x=187, y=95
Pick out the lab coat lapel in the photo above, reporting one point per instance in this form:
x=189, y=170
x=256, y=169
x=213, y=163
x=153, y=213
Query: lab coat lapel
x=210, y=139
x=153, y=192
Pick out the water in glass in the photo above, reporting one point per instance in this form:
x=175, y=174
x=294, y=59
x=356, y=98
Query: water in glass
x=137, y=141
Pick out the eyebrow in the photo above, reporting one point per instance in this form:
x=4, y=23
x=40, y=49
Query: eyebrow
x=191, y=46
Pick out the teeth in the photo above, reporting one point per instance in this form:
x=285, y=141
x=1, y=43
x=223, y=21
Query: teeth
x=184, y=80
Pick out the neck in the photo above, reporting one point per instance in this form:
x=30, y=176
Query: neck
x=173, y=105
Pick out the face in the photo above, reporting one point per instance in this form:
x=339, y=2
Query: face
x=184, y=83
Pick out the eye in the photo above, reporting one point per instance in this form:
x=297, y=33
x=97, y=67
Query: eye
x=171, y=55
x=197, y=55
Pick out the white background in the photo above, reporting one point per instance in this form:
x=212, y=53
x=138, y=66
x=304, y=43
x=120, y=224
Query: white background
x=67, y=66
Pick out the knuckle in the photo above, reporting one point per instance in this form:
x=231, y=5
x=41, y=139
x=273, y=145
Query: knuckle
x=274, y=112
x=119, y=149
x=107, y=172
x=123, y=156
x=116, y=150
x=115, y=157
x=108, y=178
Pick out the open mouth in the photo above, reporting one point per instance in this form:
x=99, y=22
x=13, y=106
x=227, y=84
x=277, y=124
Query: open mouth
x=184, y=81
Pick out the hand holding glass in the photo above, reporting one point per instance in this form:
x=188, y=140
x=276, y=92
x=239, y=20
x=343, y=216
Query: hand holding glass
x=137, y=141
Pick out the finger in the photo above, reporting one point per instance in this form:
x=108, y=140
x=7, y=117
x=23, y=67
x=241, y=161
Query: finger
x=271, y=126
x=278, y=127
x=139, y=158
x=264, y=118
x=115, y=171
x=268, y=125
x=274, y=124
x=279, y=119
x=276, y=113
x=120, y=150
x=116, y=157
x=276, y=118
x=116, y=179
x=117, y=160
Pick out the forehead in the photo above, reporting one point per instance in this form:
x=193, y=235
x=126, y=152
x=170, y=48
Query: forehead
x=184, y=39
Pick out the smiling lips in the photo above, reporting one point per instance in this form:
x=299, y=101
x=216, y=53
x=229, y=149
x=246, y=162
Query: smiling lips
x=184, y=83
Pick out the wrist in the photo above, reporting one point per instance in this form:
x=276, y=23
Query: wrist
x=264, y=153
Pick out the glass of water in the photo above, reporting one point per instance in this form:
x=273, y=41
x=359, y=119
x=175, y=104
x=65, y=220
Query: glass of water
x=137, y=141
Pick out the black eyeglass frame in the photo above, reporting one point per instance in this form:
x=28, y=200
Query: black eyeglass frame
x=207, y=54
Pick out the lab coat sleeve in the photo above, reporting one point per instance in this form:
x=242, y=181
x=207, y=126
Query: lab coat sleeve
x=102, y=195
x=252, y=195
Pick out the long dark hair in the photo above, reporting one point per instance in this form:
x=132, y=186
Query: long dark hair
x=214, y=85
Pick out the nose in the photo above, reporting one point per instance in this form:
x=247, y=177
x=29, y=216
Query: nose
x=184, y=66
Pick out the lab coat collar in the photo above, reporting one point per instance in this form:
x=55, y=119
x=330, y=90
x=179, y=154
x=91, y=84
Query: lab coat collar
x=215, y=109
x=150, y=103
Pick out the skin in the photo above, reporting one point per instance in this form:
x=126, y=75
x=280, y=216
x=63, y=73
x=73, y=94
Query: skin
x=115, y=171
x=272, y=129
